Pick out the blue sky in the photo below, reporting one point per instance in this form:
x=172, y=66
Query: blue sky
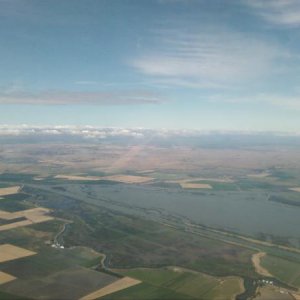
x=229, y=65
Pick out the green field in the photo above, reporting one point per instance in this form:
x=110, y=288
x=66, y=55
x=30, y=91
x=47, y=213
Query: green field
x=15, y=202
x=272, y=293
x=182, y=284
x=285, y=270
x=145, y=291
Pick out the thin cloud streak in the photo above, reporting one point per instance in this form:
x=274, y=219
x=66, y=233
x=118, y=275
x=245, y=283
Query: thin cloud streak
x=278, y=12
x=86, y=82
x=286, y=102
x=218, y=58
x=72, y=97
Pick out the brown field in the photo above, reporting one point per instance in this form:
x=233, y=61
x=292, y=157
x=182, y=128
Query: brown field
x=75, y=177
x=10, y=252
x=39, y=219
x=4, y=277
x=15, y=225
x=9, y=190
x=38, y=178
x=296, y=296
x=121, y=284
x=256, y=263
x=4, y=215
x=259, y=175
x=118, y=178
x=296, y=189
x=31, y=214
x=221, y=180
x=128, y=178
x=188, y=185
x=34, y=215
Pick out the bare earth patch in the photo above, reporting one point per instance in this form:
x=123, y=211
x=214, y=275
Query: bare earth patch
x=221, y=180
x=119, y=285
x=188, y=185
x=259, y=175
x=31, y=214
x=38, y=178
x=10, y=252
x=118, y=178
x=296, y=189
x=296, y=296
x=75, y=177
x=258, y=268
x=9, y=190
x=15, y=225
x=128, y=178
x=4, y=277
x=197, y=179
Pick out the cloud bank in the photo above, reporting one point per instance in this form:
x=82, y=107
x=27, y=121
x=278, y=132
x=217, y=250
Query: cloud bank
x=91, y=132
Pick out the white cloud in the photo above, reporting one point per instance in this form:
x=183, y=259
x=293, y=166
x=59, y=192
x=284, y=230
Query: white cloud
x=100, y=133
x=279, y=12
x=83, y=131
x=212, y=58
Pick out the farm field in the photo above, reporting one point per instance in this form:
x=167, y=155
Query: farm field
x=273, y=293
x=189, y=185
x=77, y=177
x=118, y=178
x=11, y=252
x=4, y=278
x=4, y=191
x=184, y=283
x=66, y=284
x=30, y=216
x=128, y=178
x=296, y=189
x=59, y=274
x=121, y=284
x=286, y=270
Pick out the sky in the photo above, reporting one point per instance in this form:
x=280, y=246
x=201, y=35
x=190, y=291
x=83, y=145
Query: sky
x=175, y=64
